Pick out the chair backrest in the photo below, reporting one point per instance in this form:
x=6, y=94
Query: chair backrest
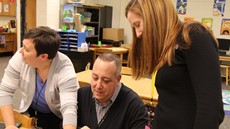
x=126, y=70
x=102, y=50
x=129, y=47
x=26, y=121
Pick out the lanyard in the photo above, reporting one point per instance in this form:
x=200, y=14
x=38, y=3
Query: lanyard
x=153, y=86
x=39, y=92
x=38, y=96
x=151, y=106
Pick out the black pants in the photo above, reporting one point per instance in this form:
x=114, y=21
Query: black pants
x=46, y=120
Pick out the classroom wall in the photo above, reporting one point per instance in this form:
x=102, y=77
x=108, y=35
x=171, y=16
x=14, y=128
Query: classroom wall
x=204, y=9
x=197, y=8
x=116, y=10
x=118, y=19
x=48, y=13
x=5, y=19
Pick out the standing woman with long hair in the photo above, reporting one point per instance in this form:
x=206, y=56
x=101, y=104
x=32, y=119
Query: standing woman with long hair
x=185, y=56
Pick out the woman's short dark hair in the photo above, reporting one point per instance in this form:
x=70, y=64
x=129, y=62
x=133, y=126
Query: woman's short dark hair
x=45, y=39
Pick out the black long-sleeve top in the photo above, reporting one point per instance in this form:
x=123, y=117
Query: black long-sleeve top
x=190, y=90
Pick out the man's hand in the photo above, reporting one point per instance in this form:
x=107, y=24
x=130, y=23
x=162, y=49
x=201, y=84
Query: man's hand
x=85, y=127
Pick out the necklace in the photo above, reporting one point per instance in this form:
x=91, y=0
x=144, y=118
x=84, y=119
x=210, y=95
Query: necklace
x=38, y=96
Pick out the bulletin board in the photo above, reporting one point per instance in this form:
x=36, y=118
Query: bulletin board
x=214, y=13
x=7, y=7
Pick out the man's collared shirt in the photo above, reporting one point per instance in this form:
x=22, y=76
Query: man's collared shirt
x=101, y=109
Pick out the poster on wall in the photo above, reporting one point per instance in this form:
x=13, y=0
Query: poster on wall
x=6, y=8
x=219, y=7
x=181, y=6
x=11, y=1
x=188, y=18
x=225, y=26
x=207, y=22
x=68, y=15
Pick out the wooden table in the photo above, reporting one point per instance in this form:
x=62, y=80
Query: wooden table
x=142, y=87
x=114, y=49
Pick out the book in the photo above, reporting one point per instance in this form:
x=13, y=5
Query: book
x=181, y=6
x=225, y=26
x=68, y=15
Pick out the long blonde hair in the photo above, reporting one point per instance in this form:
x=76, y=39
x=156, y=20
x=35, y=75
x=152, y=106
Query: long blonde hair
x=160, y=35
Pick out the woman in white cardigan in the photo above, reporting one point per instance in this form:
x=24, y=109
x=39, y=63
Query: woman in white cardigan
x=45, y=79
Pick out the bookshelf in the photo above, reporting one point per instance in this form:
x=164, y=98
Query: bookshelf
x=91, y=22
x=101, y=17
x=8, y=14
x=10, y=44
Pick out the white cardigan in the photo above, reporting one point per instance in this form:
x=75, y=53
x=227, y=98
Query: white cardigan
x=60, y=92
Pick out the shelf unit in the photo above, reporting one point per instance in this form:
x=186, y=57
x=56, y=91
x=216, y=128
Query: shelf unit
x=10, y=43
x=8, y=11
x=94, y=21
x=71, y=40
x=101, y=18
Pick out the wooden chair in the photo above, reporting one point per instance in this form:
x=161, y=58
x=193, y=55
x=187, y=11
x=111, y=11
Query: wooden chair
x=82, y=84
x=26, y=121
x=225, y=72
x=99, y=51
x=127, y=61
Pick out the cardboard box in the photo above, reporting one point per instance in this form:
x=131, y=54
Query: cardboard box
x=115, y=34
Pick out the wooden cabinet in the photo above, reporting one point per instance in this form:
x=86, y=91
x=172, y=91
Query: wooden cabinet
x=7, y=7
x=10, y=44
x=79, y=59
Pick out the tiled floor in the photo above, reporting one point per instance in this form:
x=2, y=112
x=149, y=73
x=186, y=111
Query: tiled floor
x=4, y=61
